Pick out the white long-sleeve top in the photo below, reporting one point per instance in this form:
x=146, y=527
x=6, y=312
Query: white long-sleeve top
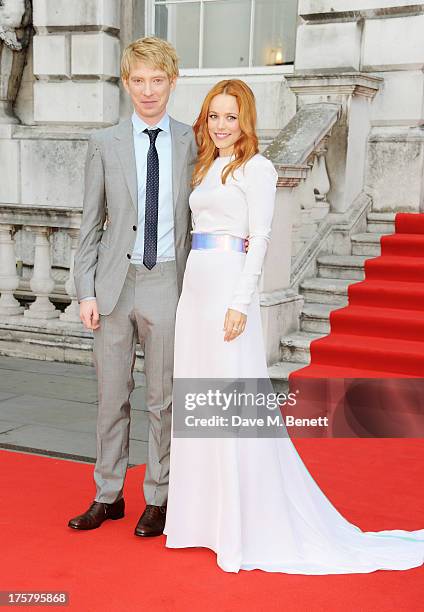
x=244, y=207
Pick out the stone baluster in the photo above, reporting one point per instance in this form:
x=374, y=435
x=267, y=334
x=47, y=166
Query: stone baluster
x=296, y=238
x=303, y=224
x=320, y=178
x=9, y=279
x=305, y=191
x=71, y=313
x=42, y=283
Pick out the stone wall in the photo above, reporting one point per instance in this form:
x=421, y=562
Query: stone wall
x=386, y=39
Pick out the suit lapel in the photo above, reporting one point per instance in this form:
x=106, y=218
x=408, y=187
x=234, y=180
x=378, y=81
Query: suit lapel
x=126, y=154
x=180, y=138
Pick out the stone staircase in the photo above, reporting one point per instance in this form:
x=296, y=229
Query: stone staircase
x=325, y=292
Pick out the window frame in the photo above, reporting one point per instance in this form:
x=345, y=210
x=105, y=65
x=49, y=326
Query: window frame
x=199, y=71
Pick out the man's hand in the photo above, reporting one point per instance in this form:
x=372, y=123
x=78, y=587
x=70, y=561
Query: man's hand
x=89, y=314
x=234, y=324
x=246, y=244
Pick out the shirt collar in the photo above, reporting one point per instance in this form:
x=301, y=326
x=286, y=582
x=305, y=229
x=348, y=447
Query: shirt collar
x=140, y=125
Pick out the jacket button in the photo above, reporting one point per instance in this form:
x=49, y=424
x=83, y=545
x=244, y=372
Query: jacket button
x=134, y=227
x=129, y=256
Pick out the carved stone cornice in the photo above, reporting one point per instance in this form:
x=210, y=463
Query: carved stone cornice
x=40, y=216
x=340, y=84
x=291, y=176
x=330, y=12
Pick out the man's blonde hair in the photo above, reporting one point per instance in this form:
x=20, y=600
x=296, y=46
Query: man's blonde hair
x=153, y=51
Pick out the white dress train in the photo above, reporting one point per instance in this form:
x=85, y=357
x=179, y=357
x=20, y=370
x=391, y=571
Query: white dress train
x=251, y=500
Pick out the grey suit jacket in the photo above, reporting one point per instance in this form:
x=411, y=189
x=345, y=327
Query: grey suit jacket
x=110, y=210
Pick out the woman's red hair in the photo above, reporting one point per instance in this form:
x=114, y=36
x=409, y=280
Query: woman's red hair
x=244, y=148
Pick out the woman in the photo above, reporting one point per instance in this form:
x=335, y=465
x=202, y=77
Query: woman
x=251, y=500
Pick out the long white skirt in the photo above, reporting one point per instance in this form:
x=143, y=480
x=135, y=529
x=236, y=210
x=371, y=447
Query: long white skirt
x=250, y=500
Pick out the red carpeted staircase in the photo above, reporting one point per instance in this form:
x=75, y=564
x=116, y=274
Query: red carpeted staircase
x=381, y=331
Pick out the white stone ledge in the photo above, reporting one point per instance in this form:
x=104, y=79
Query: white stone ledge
x=64, y=13
x=332, y=10
x=42, y=31
x=41, y=216
x=396, y=134
x=84, y=102
x=50, y=132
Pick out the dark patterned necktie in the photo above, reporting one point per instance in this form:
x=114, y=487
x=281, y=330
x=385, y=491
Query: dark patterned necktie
x=152, y=199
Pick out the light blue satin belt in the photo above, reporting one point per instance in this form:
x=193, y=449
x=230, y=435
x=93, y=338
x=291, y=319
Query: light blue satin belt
x=221, y=242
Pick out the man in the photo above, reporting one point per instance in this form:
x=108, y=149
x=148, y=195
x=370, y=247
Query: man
x=133, y=245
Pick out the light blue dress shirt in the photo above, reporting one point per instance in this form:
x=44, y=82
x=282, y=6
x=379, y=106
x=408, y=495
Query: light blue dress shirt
x=165, y=247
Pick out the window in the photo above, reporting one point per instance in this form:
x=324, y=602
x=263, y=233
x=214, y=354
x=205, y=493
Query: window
x=227, y=33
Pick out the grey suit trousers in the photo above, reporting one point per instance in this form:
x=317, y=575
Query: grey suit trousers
x=145, y=311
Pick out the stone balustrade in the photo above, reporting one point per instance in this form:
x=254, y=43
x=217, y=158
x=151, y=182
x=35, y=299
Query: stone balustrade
x=42, y=223
x=32, y=239
x=299, y=153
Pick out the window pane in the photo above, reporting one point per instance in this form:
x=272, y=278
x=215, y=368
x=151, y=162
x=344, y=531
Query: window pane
x=179, y=25
x=274, y=32
x=226, y=33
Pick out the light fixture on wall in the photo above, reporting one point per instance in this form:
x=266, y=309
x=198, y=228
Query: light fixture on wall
x=278, y=56
x=275, y=56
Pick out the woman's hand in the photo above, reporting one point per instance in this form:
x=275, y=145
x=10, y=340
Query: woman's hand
x=234, y=324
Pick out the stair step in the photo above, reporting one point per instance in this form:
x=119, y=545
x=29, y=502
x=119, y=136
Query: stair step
x=384, y=322
x=403, y=356
x=295, y=347
x=386, y=293
x=366, y=244
x=332, y=371
x=411, y=245
x=282, y=369
x=396, y=268
x=325, y=290
x=381, y=222
x=410, y=223
x=315, y=317
x=342, y=266
x=279, y=374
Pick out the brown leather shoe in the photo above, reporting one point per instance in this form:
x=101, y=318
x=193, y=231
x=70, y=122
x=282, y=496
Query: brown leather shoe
x=151, y=522
x=97, y=513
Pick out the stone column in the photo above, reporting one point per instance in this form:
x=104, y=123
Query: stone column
x=41, y=283
x=9, y=279
x=76, y=60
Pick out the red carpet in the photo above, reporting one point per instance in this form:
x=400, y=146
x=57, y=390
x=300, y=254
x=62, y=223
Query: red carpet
x=376, y=484
x=381, y=331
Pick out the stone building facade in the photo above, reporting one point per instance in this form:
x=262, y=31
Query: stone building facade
x=340, y=96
